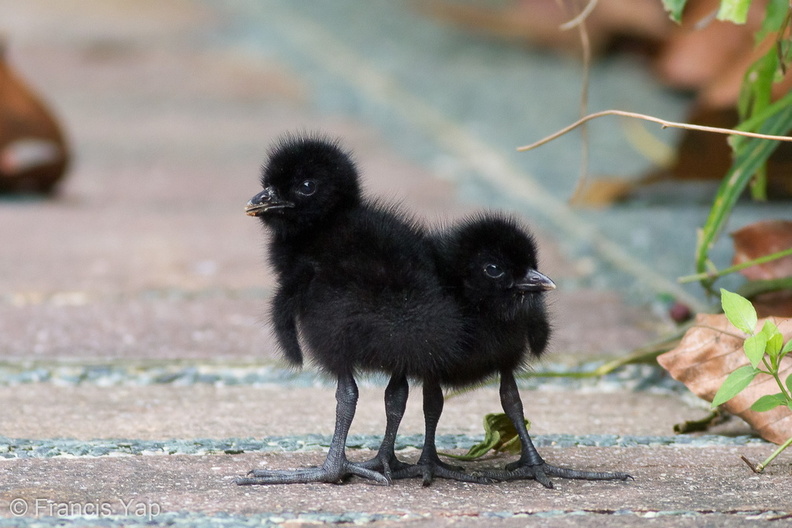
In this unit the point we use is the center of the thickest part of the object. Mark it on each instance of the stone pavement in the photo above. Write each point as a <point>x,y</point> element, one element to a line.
<point>138,376</point>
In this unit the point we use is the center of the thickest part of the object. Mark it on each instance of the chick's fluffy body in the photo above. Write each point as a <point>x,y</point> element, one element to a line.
<point>356,277</point>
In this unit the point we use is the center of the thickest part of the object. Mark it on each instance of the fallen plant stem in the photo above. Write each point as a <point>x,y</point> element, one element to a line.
<point>738,267</point>
<point>703,424</point>
<point>644,354</point>
<point>662,122</point>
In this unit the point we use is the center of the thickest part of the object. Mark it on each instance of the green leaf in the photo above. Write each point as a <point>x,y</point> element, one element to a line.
<point>787,349</point>
<point>752,154</point>
<point>774,113</point>
<point>734,384</point>
<point>734,10</point>
<point>739,311</point>
<point>774,339</point>
<point>754,348</point>
<point>784,351</point>
<point>756,88</point>
<point>499,436</point>
<point>675,8</point>
<point>775,16</point>
<point>788,383</point>
<point>769,329</point>
<point>769,401</point>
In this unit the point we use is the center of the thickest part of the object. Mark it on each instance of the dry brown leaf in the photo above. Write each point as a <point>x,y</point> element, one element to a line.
<point>709,352</point>
<point>760,239</point>
<point>537,22</point>
<point>33,151</point>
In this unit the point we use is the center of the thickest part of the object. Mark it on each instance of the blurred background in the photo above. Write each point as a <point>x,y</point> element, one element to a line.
<point>134,289</point>
<point>144,124</point>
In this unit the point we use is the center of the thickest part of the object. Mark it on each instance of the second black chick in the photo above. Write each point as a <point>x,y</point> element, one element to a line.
<point>356,281</point>
<point>490,263</point>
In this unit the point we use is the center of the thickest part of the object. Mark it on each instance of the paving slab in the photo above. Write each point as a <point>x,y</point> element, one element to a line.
<point>668,481</point>
<point>156,412</point>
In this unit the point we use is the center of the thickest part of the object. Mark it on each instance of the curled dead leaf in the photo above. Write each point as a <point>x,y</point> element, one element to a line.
<point>33,151</point>
<point>760,239</point>
<point>709,352</point>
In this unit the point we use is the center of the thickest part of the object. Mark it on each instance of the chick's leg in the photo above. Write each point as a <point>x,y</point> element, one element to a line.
<point>336,467</point>
<point>531,465</point>
<point>396,394</point>
<point>429,464</point>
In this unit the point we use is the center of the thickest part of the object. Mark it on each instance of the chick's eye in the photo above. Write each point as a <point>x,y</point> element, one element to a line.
<point>493,271</point>
<point>307,188</point>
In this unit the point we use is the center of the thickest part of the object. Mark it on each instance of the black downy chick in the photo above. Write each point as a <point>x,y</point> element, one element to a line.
<point>357,282</point>
<point>490,263</point>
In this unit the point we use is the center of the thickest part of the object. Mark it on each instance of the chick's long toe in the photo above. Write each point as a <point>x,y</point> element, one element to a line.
<point>542,473</point>
<point>328,472</point>
<point>430,469</point>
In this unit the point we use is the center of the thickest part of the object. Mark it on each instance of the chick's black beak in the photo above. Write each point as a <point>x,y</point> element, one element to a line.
<point>533,281</point>
<point>264,201</point>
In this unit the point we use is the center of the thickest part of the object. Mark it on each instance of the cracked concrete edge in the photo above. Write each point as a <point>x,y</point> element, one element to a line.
<point>11,448</point>
<point>181,372</point>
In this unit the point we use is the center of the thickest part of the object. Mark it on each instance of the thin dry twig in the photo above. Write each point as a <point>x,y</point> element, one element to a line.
<point>750,464</point>
<point>585,150</point>
<point>579,22</point>
<point>661,122</point>
<point>580,18</point>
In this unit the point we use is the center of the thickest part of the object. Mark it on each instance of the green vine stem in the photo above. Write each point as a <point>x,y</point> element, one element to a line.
<point>773,371</point>
<point>758,468</point>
